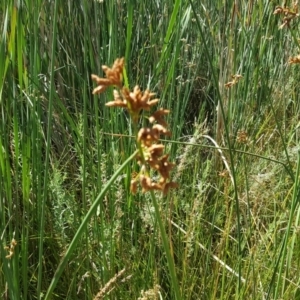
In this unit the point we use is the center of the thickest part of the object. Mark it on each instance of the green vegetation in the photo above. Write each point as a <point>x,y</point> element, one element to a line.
<point>69,226</point>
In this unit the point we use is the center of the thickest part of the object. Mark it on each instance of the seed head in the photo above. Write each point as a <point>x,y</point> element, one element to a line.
<point>114,76</point>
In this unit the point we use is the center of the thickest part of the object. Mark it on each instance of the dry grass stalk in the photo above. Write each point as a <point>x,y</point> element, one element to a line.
<point>109,285</point>
<point>10,249</point>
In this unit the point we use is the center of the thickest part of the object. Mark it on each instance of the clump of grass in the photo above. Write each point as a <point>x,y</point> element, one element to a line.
<point>62,169</point>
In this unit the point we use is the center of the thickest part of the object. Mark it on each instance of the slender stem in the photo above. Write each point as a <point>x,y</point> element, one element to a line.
<point>166,245</point>
<point>48,149</point>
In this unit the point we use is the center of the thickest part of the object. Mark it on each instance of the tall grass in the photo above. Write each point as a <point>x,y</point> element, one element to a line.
<point>69,226</point>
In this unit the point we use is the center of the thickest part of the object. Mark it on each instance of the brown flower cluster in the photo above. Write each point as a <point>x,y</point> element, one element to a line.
<point>114,76</point>
<point>288,14</point>
<point>235,80</point>
<point>151,156</point>
<point>242,137</point>
<point>10,249</point>
<point>134,101</point>
<point>294,60</point>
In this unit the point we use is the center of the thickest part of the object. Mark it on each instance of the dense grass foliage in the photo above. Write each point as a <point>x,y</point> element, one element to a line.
<point>69,226</point>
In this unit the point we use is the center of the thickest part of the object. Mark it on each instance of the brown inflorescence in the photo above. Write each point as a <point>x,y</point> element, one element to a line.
<point>158,117</point>
<point>151,156</point>
<point>114,76</point>
<point>235,80</point>
<point>11,249</point>
<point>294,60</point>
<point>288,14</point>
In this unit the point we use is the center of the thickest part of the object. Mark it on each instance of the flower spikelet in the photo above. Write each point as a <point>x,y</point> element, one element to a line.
<point>294,60</point>
<point>287,13</point>
<point>158,117</point>
<point>138,101</point>
<point>114,76</point>
<point>235,80</point>
<point>118,101</point>
<point>11,249</point>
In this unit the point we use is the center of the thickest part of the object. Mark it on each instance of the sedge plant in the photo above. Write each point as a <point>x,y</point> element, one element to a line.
<point>149,154</point>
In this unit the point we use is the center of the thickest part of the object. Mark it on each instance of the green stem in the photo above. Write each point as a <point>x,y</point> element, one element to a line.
<point>171,264</point>
<point>42,208</point>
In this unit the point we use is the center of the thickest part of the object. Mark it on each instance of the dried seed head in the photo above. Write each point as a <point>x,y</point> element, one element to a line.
<point>147,136</point>
<point>158,117</point>
<point>137,101</point>
<point>294,60</point>
<point>150,153</point>
<point>169,185</point>
<point>148,185</point>
<point>156,150</point>
<point>114,76</point>
<point>161,129</point>
<point>118,101</point>
<point>165,168</point>
<point>235,80</point>
<point>133,186</point>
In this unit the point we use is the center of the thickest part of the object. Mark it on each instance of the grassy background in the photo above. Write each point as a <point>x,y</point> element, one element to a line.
<point>232,227</point>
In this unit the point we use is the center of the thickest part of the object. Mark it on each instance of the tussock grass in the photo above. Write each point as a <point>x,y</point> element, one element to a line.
<point>65,203</point>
